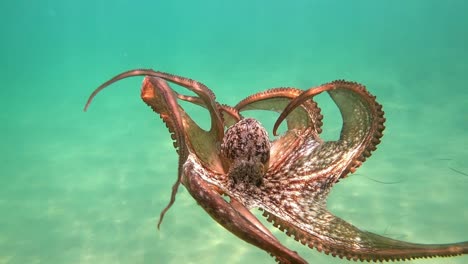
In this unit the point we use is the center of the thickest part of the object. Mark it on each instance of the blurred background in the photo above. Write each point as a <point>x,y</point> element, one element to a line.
<point>88,187</point>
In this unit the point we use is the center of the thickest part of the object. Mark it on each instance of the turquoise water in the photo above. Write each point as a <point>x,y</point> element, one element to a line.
<point>81,187</point>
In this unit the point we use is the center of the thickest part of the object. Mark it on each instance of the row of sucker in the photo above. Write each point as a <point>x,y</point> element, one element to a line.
<point>376,130</point>
<point>305,239</point>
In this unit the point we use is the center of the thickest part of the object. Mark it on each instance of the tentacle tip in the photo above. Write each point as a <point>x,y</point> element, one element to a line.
<point>276,126</point>
<point>161,217</point>
<point>275,132</point>
<point>88,103</point>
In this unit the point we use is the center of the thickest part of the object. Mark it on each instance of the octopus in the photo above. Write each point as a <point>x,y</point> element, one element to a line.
<point>234,166</point>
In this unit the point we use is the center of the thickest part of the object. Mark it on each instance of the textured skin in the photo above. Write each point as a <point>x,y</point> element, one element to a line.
<point>247,148</point>
<point>289,178</point>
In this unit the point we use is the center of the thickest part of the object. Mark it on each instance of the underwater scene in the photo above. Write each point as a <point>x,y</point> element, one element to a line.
<point>89,187</point>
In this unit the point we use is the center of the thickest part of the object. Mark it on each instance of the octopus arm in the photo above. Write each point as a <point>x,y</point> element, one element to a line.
<point>363,120</point>
<point>187,135</point>
<point>306,116</point>
<point>322,230</point>
<point>235,217</point>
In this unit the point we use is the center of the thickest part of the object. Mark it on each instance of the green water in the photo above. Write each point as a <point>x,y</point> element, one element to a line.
<point>81,187</point>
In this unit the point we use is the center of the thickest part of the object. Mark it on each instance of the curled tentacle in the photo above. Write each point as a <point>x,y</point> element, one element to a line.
<point>206,95</point>
<point>157,94</point>
<point>296,102</point>
<point>276,99</point>
<point>363,118</point>
<point>163,100</point>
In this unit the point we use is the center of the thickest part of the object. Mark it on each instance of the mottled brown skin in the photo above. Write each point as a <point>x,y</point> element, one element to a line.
<point>288,178</point>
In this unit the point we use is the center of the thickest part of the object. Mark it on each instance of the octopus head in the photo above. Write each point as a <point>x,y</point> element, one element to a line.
<point>246,146</point>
